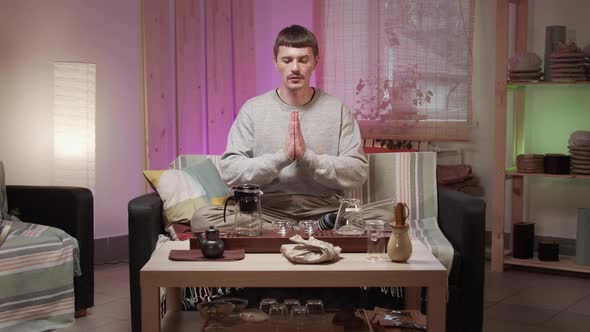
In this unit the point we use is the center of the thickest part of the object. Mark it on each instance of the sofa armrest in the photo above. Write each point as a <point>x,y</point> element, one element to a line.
<point>462,220</point>
<point>145,225</point>
<point>70,209</point>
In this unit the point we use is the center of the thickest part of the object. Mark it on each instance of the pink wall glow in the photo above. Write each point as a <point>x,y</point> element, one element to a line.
<point>269,18</point>
<point>236,60</point>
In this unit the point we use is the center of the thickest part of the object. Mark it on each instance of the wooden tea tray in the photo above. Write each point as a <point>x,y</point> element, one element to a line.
<point>270,241</point>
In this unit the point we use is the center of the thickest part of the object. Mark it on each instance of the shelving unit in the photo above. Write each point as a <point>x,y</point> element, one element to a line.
<point>513,85</point>
<point>513,172</point>
<point>500,173</point>
<point>565,263</point>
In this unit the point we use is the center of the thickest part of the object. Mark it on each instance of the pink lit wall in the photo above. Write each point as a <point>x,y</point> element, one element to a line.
<point>269,18</point>
<point>33,35</point>
<point>203,61</point>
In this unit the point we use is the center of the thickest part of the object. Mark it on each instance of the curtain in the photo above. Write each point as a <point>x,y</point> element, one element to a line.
<point>198,57</point>
<point>403,67</point>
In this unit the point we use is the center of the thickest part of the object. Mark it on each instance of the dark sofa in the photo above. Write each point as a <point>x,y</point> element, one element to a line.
<point>70,209</point>
<point>461,218</point>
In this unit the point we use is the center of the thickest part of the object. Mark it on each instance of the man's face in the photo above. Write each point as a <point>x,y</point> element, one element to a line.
<point>295,66</point>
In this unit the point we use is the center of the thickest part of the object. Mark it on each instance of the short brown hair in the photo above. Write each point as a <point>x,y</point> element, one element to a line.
<point>296,36</point>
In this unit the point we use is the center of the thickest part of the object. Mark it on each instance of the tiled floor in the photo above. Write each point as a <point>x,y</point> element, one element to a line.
<point>514,301</point>
<point>111,312</point>
<point>532,301</point>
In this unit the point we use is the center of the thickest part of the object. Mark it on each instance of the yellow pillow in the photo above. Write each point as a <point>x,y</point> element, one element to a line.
<point>186,190</point>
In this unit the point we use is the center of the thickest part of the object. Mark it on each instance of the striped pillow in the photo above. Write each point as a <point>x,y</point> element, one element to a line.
<point>186,190</point>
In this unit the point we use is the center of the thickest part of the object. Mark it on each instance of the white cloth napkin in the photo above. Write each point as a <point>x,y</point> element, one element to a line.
<point>309,251</point>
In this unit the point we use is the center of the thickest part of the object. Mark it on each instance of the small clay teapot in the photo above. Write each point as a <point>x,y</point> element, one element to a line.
<point>211,245</point>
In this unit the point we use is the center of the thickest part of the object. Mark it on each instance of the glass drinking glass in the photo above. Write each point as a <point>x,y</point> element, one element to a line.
<point>290,303</point>
<point>376,242</point>
<point>265,304</point>
<point>299,313</point>
<point>278,311</point>
<point>282,227</point>
<point>308,227</point>
<point>315,306</point>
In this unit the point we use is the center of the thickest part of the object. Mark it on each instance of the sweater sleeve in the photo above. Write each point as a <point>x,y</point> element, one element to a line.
<point>348,169</point>
<point>238,164</point>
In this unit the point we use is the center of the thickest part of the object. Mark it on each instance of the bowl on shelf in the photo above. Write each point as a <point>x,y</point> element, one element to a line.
<point>238,302</point>
<point>214,311</point>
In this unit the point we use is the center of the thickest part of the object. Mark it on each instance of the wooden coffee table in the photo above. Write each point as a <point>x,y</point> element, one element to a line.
<point>274,270</point>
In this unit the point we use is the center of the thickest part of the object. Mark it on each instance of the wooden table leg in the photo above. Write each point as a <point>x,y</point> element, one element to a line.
<point>436,310</point>
<point>173,299</point>
<point>150,309</point>
<point>413,298</point>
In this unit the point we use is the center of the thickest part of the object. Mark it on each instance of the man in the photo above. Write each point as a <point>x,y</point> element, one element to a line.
<point>301,145</point>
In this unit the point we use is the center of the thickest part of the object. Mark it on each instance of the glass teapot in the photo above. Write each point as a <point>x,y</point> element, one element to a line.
<point>247,218</point>
<point>349,220</point>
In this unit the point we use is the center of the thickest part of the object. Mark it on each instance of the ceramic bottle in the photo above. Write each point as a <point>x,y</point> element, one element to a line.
<point>399,247</point>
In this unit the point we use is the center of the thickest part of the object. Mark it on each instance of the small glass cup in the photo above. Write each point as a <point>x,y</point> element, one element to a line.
<point>315,306</point>
<point>308,227</point>
<point>282,227</point>
<point>265,304</point>
<point>299,313</point>
<point>278,311</point>
<point>290,303</point>
<point>376,242</point>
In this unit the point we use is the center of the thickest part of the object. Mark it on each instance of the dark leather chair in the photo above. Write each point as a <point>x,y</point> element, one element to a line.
<point>70,209</point>
<point>461,218</point>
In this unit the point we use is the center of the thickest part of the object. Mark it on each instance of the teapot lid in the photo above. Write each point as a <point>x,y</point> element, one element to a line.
<point>247,188</point>
<point>212,234</point>
<point>211,230</point>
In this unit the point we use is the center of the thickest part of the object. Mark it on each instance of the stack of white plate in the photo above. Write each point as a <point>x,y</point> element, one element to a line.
<point>533,74</point>
<point>530,163</point>
<point>568,66</point>
<point>525,67</point>
<point>579,146</point>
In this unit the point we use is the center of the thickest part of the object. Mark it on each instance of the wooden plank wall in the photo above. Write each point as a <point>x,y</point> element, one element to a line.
<point>243,52</point>
<point>159,84</point>
<point>197,74</point>
<point>220,98</point>
<point>189,77</point>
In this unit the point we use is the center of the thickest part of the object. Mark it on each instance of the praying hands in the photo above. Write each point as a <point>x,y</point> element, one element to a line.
<point>294,143</point>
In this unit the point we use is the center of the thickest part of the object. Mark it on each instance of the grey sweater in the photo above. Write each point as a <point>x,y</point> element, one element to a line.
<point>333,162</point>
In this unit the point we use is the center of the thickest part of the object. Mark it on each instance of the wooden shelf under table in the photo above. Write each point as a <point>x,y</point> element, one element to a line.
<point>191,321</point>
<point>182,321</point>
<point>565,263</point>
